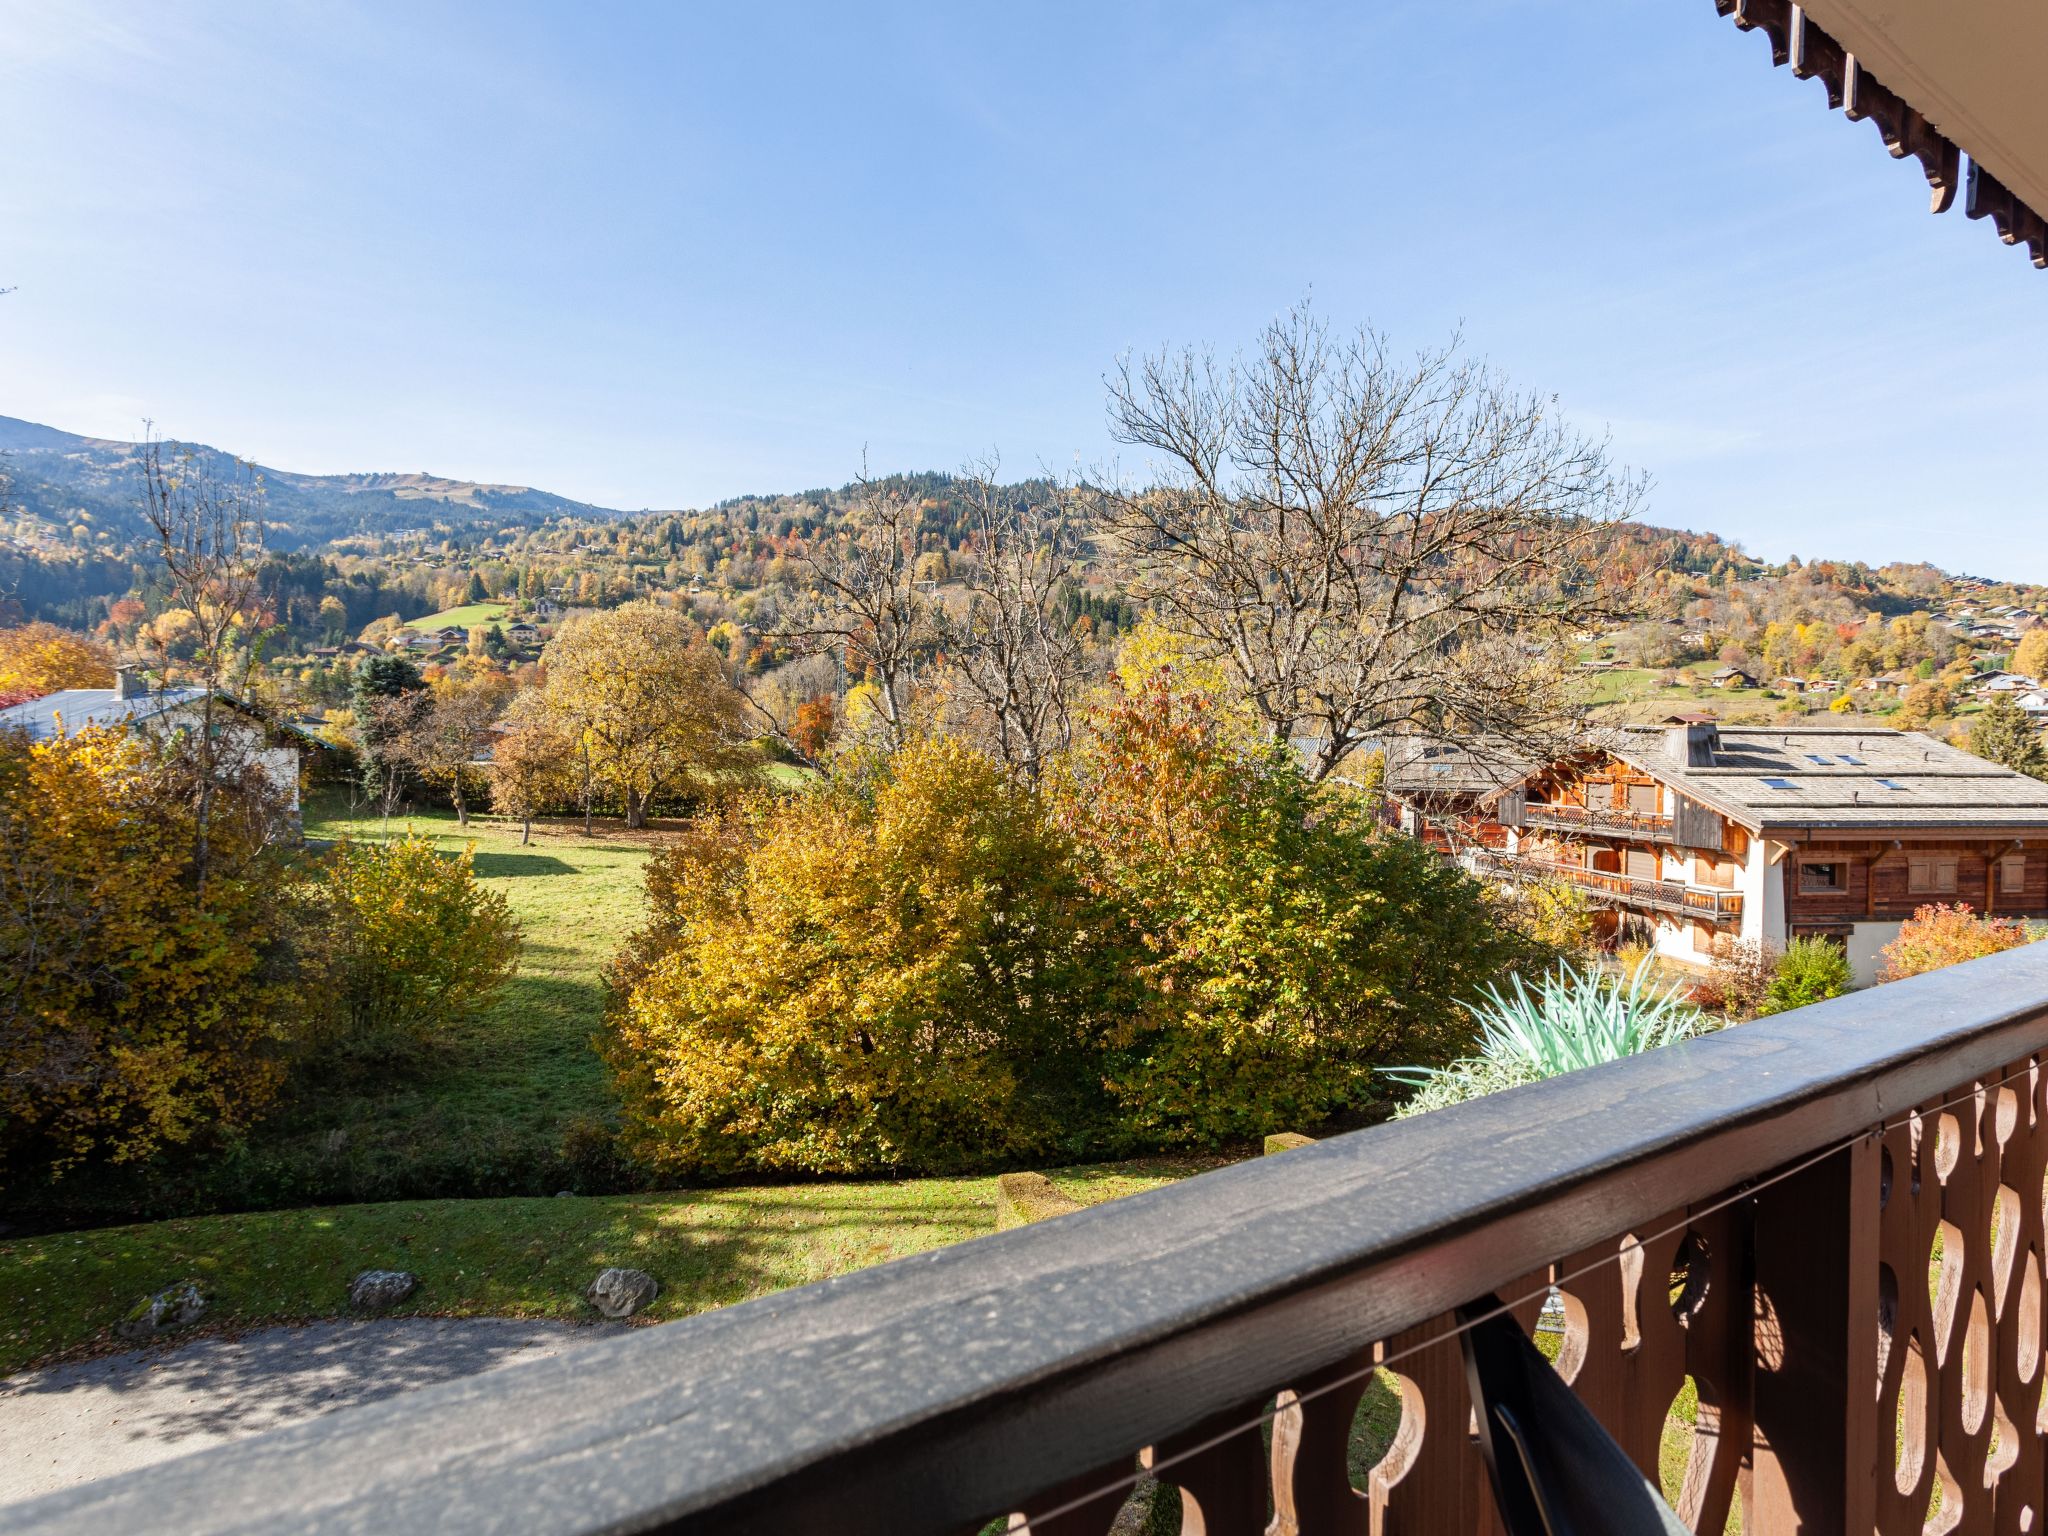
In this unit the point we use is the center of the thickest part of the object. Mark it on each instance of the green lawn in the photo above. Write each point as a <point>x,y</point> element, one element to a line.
<point>60,1294</point>
<point>507,1106</point>
<point>469,616</point>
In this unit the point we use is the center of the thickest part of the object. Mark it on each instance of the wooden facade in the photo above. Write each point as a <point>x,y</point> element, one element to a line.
<point>1830,884</point>
<point>1772,835</point>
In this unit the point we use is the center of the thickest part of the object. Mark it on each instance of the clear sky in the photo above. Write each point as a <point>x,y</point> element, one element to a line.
<point>656,254</point>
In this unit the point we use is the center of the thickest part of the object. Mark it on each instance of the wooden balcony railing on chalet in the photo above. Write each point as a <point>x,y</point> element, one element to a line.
<point>1645,826</point>
<point>1788,1181</point>
<point>1672,896</point>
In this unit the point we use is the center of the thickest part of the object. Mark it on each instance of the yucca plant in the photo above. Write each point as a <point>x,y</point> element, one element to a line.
<point>1571,1019</point>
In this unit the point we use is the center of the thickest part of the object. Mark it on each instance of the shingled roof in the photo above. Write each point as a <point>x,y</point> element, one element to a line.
<point>1809,778</point>
<point>1433,765</point>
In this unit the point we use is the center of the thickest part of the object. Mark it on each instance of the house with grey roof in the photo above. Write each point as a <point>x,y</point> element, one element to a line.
<point>132,704</point>
<point>1695,833</point>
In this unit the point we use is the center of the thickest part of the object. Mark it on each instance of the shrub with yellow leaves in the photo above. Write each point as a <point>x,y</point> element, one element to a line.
<point>133,1014</point>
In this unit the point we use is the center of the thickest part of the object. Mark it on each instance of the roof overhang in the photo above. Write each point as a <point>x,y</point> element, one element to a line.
<point>1943,83</point>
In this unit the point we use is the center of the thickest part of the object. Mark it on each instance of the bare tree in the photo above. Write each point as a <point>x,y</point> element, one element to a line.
<point>1016,664</point>
<point>866,599</point>
<point>210,538</point>
<point>1369,545</point>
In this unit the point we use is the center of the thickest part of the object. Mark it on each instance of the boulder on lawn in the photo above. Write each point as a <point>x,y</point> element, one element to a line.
<point>172,1307</point>
<point>379,1290</point>
<point>621,1292</point>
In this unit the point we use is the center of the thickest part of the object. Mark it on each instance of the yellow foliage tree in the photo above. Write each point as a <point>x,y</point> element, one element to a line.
<point>838,981</point>
<point>2030,656</point>
<point>132,1016</point>
<point>534,763</point>
<point>653,710</point>
<point>36,659</point>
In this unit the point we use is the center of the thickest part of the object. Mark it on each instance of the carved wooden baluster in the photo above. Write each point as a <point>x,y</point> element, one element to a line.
<point>1624,1350</point>
<point>1312,1490</point>
<point>1719,1355</point>
<point>1434,1480</point>
<point>1223,1487</point>
<point>2022,1492</point>
<point>1964,1354</point>
<point>1094,1516</point>
<point>1908,1193</point>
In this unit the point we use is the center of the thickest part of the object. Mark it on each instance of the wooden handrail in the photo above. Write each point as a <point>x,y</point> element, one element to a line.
<point>1665,895</point>
<point>1648,824</point>
<point>931,1395</point>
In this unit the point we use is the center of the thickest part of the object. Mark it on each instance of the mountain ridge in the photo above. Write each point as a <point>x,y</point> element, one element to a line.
<point>53,475</point>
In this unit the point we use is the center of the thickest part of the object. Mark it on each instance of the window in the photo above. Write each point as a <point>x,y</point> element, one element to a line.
<point>2012,873</point>
<point>1816,759</point>
<point>1851,759</point>
<point>1642,799</point>
<point>1893,784</point>
<point>1931,874</point>
<point>1828,876</point>
<point>1779,784</point>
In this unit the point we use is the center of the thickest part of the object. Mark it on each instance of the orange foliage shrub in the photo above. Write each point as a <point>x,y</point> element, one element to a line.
<point>1941,935</point>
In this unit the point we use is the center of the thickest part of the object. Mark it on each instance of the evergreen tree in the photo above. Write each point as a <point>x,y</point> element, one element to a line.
<point>2004,734</point>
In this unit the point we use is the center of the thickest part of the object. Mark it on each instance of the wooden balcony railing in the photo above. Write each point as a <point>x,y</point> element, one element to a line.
<point>1603,822</point>
<point>1758,1211</point>
<point>1602,885</point>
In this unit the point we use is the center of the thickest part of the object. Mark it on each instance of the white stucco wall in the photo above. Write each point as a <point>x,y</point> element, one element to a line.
<point>1762,885</point>
<point>1865,940</point>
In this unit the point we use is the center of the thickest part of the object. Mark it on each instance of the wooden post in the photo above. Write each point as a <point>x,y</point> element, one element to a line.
<point>1815,1387</point>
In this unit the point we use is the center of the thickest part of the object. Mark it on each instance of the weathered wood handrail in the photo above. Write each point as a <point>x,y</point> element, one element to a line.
<point>1633,890</point>
<point>1649,825</point>
<point>938,1392</point>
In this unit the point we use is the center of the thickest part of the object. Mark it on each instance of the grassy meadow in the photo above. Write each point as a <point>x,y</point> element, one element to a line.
<point>468,616</point>
<point>513,1102</point>
<point>61,1293</point>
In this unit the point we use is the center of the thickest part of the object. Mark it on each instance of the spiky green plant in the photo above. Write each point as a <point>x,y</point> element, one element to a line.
<point>1570,1019</point>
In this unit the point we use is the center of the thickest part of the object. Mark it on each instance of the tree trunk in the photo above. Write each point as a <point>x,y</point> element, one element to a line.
<point>526,831</point>
<point>636,808</point>
<point>200,843</point>
<point>461,808</point>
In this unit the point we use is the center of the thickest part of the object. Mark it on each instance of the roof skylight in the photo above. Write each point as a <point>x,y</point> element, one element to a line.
<point>1779,784</point>
<point>1894,784</point>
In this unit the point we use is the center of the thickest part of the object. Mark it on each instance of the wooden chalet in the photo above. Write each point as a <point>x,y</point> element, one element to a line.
<point>1441,790</point>
<point>1695,833</point>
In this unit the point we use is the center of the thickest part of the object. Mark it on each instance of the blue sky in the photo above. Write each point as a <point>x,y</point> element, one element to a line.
<point>658,254</point>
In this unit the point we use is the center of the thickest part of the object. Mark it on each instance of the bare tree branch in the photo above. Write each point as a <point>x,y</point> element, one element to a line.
<point>1015,664</point>
<point>865,599</point>
<point>1368,545</point>
<point>210,539</point>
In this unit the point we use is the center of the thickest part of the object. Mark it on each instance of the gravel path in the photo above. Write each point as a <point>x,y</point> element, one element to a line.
<point>70,1424</point>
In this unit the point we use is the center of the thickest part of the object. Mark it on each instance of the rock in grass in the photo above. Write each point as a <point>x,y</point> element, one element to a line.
<point>621,1292</point>
<point>379,1290</point>
<point>172,1307</point>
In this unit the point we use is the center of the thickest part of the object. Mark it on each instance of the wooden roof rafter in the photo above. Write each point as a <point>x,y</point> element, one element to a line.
<point>1814,54</point>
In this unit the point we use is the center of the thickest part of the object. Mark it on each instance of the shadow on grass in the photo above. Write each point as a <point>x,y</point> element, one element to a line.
<point>506,866</point>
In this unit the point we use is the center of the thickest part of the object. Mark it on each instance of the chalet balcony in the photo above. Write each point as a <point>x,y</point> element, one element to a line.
<point>1618,890</point>
<point>1755,1211</point>
<point>1584,821</point>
